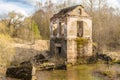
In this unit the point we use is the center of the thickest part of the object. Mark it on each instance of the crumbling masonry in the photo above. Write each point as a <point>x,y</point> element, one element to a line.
<point>66,27</point>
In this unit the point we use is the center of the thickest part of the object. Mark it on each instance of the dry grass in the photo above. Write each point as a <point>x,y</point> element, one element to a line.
<point>109,72</point>
<point>6,50</point>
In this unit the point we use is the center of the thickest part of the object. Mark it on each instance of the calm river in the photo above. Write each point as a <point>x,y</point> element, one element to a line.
<point>82,72</point>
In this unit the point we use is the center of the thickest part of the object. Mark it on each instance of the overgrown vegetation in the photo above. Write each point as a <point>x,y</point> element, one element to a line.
<point>108,72</point>
<point>81,41</point>
<point>28,31</point>
<point>18,27</point>
<point>6,50</point>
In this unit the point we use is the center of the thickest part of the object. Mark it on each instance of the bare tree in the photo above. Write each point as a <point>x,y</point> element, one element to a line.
<point>84,3</point>
<point>101,4</point>
<point>38,5</point>
<point>13,21</point>
<point>91,5</point>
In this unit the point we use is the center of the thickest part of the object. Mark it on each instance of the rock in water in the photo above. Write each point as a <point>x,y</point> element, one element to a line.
<point>23,73</point>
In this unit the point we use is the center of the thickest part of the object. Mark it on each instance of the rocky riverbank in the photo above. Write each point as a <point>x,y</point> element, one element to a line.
<point>108,72</point>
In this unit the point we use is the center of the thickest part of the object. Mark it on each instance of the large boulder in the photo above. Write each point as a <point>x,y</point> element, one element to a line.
<point>23,73</point>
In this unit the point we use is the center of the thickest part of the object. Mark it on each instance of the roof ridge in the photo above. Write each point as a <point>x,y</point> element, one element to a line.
<point>67,9</point>
<point>63,12</point>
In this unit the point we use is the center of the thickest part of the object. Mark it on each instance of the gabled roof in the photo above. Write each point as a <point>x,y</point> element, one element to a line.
<point>65,11</point>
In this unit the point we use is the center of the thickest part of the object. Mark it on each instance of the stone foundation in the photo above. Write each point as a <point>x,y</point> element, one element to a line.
<point>58,48</point>
<point>71,51</point>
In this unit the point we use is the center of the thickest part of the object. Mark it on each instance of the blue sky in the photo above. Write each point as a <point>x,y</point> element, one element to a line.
<point>26,7</point>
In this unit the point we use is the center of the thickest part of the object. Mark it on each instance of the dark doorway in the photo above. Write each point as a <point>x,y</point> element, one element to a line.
<point>59,50</point>
<point>80,28</point>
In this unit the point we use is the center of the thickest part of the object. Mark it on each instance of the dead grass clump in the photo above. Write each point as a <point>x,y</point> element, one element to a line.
<point>6,50</point>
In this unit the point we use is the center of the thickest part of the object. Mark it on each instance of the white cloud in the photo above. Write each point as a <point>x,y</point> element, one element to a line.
<point>5,8</point>
<point>114,3</point>
<point>119,1</point>
<point>31,2</point>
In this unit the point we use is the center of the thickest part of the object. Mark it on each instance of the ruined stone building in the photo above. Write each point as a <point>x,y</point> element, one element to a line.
<point>66,27</point>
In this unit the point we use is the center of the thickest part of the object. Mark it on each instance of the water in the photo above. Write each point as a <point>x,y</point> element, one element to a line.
<point>82,72</point>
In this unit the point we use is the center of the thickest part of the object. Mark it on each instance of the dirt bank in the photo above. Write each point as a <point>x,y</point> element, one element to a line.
<point>24,52</point>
